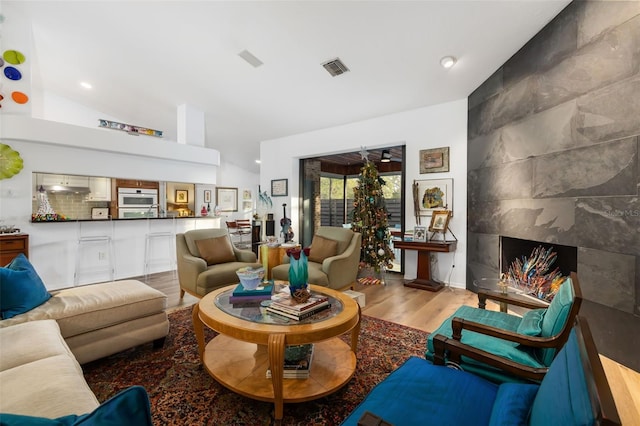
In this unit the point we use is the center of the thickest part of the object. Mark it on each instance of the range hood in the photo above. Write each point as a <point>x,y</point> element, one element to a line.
<point>65,188</point>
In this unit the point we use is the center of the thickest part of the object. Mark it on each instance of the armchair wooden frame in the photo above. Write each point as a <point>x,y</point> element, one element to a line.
<point>451,349</point>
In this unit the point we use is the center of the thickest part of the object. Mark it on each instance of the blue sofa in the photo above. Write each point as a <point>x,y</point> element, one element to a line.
<point>574,391</point>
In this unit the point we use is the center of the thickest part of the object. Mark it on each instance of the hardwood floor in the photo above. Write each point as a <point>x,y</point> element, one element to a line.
<point>425,311</point>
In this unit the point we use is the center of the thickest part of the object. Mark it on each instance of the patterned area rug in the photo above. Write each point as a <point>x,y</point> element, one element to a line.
<point>183,393</point>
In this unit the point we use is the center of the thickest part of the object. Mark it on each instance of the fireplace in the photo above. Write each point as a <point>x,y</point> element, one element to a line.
<point>564,258</point>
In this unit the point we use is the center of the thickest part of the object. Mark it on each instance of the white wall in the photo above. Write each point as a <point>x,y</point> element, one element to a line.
<point>47,146</point>
<point>232,176</point>
<point>423,128</point>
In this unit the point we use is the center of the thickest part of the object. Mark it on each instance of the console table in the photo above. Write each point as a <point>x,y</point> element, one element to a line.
<point>424,280</point>
<point>12,245</point>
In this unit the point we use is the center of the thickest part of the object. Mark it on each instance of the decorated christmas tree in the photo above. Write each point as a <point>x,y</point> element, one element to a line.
<point>371,219</point>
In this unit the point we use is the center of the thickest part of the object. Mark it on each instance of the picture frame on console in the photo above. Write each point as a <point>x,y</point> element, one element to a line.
<point>227,199</point>
<point>440,221</point>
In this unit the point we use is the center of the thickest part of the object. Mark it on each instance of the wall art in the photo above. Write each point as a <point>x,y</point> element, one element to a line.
<point>227,199</point>
<point>434,160</point>
<point>430,195</point>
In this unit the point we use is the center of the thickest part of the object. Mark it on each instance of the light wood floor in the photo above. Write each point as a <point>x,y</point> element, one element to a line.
<point>426,310</point>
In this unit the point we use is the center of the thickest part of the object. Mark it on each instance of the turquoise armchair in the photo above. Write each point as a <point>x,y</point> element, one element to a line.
<point>574,392</point>
<point>515,348</point>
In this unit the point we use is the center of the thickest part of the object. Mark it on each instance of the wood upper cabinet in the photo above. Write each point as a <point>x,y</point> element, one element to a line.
<point>133,183</point>
<point>12,245</point>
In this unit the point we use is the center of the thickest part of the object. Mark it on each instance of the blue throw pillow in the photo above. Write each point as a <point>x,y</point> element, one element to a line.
<point>531,324</point>
<point>127,408</point>
<point>21,289</point>
<point>512,404</point>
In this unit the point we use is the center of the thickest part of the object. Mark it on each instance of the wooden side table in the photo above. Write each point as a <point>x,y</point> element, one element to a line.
<point>274,258</point>
<point>424,280</point>
<point>12,245</point>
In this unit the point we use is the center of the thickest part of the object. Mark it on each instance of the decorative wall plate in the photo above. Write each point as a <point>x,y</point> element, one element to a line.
<point>10,162</point>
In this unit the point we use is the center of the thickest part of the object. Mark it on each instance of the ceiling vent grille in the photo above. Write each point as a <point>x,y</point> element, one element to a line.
<point>335,67</point>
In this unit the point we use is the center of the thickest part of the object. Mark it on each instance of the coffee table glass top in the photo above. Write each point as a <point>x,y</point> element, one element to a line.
<point>257,311</point>
<point>503,286</point>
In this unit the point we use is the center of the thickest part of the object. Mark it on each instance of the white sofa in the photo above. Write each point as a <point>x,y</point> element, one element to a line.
<point>102,319</point>
<point>41,350</point>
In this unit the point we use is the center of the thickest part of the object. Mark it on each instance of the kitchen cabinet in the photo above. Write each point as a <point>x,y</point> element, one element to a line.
<point>100,189</point>
<point>12,245</point>
<point>133,183</point>
<point>48,179</point>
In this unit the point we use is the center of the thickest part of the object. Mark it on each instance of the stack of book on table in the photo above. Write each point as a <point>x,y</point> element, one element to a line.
<point>297,362</point>
<point>242,296</point>
<point>285,305</point>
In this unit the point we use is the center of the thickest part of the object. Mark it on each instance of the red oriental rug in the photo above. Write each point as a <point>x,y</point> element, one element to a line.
<point>183,393</point>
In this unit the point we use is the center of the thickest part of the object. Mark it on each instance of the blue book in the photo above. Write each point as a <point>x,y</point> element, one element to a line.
<point>262,290</point>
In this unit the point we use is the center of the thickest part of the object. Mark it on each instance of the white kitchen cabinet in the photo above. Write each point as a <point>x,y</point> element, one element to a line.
<point>100,189</point>
<point>48,179</point>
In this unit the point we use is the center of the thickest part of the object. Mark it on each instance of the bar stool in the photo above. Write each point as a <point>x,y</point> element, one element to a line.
<point>160,231</point>
<point>95,237</point>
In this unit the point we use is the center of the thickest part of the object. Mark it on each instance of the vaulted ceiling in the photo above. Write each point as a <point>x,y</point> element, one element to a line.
<point>144,58</point>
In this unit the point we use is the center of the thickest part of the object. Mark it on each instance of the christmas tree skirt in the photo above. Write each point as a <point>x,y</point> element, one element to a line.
<point>369,276</point>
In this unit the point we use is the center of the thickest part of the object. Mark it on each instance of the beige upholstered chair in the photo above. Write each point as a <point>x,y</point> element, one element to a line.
<point>207,260</point>
<point>333,260</point>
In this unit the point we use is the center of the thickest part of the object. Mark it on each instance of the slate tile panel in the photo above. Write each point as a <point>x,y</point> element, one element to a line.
<point>609,224</point>
<point>608,278</point>
<point>547,220</point>
<point>597,17</point>
<point>556,41</point>
<point>612,112</point>
<point>605,169</point>
<point>612,57</point>
<point>508,181</point>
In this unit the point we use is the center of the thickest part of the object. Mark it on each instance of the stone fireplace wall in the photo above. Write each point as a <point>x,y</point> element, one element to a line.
<point>553,142</point>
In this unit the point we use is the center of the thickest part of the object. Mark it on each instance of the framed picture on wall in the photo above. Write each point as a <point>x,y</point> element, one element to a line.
<point>430,195</point>
<point>207,195</point>
<point>279,187</point>
<point>434,160</point>
<point>182,196</point>
<point>227,199</point>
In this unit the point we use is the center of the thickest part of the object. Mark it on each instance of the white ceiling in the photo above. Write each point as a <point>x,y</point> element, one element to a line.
<point>144,58</point>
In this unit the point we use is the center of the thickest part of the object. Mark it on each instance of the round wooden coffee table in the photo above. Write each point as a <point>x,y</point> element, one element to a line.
<point>251,340</point>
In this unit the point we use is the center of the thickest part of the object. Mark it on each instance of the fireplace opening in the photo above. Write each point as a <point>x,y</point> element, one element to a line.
<point>555,260</point>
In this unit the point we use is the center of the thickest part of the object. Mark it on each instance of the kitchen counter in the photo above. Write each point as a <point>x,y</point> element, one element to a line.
<point>125,219</point>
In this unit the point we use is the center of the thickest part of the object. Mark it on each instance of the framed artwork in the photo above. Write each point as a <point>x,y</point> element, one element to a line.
<point>434,160</point>
<point>279,187</point>
<point>440,221</point>
<point>432,194</point>
<point>246,194</point>
<point>227,199</point>
<point>247,206</point>
<point>420,234</point>
<point>207,195</point>
<point>182,196</point>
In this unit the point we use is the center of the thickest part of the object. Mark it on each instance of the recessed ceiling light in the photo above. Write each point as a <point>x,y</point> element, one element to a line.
<point>86,85</point>
<point>258,161</point>
<point>448,61</point>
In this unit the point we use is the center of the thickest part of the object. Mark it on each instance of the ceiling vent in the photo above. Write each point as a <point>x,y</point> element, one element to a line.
<point>335,67</point>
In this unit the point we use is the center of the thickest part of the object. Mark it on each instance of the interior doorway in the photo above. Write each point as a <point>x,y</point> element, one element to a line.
<point>327,184</point>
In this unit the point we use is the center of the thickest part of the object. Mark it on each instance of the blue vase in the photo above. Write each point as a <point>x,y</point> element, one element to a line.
<point>298,273</point>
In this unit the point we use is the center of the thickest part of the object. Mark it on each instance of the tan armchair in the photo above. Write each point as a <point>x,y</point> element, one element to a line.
<point>207,260</point>
<point>334,263</point>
